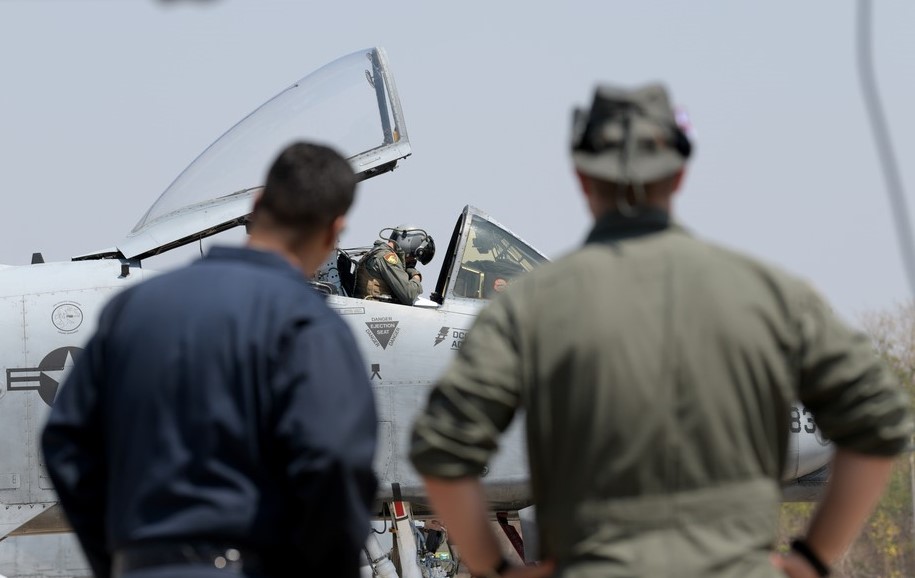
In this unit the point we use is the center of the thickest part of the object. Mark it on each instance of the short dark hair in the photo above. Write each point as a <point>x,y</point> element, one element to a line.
<point>308,186</point>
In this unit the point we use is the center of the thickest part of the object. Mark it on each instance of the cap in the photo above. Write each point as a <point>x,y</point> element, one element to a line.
<point>629,135</point>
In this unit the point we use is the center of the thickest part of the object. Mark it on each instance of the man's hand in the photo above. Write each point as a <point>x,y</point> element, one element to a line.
<point>414,274</point>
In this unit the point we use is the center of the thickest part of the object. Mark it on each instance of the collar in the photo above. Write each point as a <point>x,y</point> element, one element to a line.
<point>613,226</point>
<point>382,244</point>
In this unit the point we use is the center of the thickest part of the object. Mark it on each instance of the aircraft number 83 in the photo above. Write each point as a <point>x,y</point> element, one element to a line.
<point>798,414</point>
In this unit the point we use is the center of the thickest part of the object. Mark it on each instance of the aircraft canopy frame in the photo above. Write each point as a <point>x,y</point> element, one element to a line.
<point>482,259</point>
<point>351,104</point>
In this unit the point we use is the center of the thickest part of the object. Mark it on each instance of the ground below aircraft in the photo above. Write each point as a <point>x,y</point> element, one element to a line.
<point>48,311</point>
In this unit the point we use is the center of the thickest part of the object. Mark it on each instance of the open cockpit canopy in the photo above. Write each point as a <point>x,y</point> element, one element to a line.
<point>351,104</point>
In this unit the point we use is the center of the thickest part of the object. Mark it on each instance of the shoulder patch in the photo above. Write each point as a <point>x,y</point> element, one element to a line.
<point>392,259</point>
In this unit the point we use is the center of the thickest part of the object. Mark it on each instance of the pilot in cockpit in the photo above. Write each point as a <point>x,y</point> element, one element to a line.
<point>388,271</point>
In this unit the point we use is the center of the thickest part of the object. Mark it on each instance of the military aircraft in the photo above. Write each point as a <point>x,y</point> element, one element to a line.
<point>48,310</point>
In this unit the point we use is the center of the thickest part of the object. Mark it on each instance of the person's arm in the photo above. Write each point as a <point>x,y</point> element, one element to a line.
<point>461,504</point>
<point>857,482</point>
<point>856,485</point>
<point>325,430</point>
<point>859,405</point>
<point>856,400</point>
<point>405,288</point>
<point>414,275</point>
<point>457,432</point>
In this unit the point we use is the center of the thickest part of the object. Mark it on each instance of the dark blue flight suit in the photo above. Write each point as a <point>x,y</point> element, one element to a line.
<point>221,416</point>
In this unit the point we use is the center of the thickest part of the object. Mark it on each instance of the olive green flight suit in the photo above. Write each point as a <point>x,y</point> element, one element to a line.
<point>381,274</point>
<point>656,372</point>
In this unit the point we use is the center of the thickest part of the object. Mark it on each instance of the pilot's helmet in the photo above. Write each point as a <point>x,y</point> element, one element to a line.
<point>414,242</point>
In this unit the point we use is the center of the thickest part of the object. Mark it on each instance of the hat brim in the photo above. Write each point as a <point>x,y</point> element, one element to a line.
<point>646,168</point>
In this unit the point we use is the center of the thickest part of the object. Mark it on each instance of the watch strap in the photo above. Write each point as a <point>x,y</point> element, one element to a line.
<point>802,548</point>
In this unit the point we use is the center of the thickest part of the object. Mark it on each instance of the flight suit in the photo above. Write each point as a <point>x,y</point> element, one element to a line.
<point>655,372</point>
<point>220,406</point>
<point>381,274</point>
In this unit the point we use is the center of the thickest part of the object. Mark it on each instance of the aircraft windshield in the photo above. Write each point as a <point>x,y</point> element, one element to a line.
<point>491,258</point>
<point>342,103</point>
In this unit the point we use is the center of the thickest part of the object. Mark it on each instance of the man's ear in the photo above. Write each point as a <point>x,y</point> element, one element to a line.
<point>257,199</point>
<point>678,179</point>
<point>333,232</point>
<point>596,204</point>
<point>255,208</point>
<point>584,182</point>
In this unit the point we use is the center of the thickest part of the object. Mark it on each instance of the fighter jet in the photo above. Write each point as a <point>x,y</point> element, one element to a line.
<point>49,310</point>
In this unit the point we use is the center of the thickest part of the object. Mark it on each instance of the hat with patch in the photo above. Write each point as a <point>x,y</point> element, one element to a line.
<point>629,135</point>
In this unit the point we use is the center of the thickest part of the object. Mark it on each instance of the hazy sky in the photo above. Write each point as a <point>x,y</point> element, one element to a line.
<point>104,102</point>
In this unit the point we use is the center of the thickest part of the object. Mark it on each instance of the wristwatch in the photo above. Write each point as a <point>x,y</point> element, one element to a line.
<point>800,546</point>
